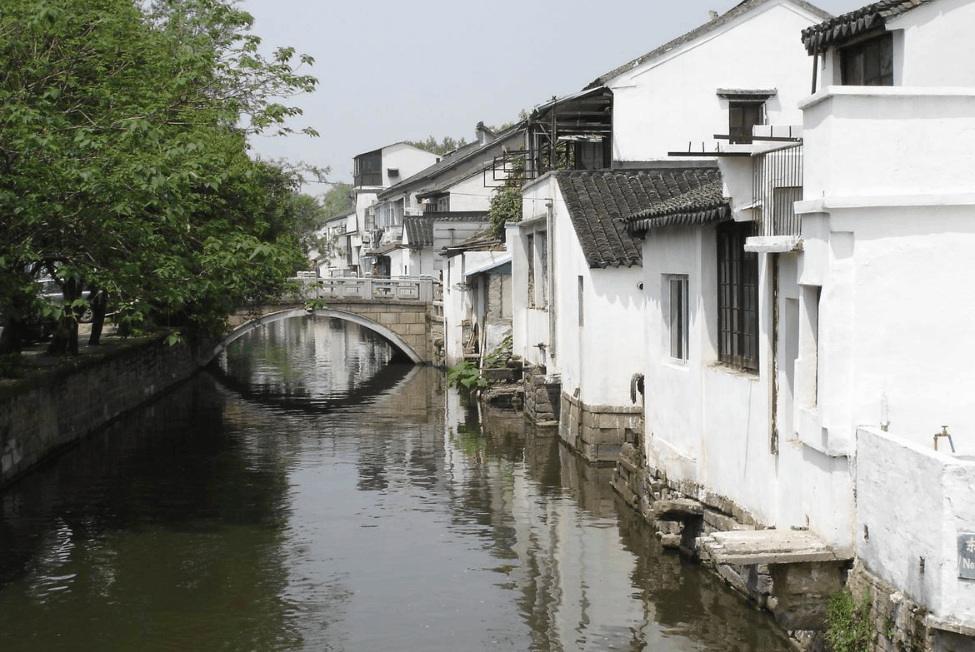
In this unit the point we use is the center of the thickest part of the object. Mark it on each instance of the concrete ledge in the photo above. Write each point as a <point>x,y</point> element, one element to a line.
<point>747,547</point>
<point>676,507</point>
<point>949,625</point>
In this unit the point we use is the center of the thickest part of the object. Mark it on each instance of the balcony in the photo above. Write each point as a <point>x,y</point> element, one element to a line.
<point>888,146</point>
<point>776,186</point>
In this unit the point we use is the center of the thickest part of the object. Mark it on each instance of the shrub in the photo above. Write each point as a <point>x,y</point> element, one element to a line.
<point>466,376</point>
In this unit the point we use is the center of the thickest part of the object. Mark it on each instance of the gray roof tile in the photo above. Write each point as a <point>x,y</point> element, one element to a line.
<point>841,28</point>
<point>598,202</point>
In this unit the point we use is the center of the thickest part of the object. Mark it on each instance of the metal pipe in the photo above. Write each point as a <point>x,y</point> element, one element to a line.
<point>944,433</point>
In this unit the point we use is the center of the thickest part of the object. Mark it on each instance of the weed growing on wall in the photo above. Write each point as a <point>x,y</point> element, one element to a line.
<point>499,357</point>
<point>848,623</point>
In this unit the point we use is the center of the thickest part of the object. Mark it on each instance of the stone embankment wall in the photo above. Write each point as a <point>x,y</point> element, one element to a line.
<point>50,410</point>
<point>598,432</point>
<point>900,625</point>
<point>543,395</point>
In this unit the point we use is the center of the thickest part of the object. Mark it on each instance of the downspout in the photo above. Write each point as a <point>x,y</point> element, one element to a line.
<point>550,229</point>
<point>774,381</point>
<point>815,70</point>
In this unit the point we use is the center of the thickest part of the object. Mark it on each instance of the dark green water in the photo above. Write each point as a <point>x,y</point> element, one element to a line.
<point>307,496</point>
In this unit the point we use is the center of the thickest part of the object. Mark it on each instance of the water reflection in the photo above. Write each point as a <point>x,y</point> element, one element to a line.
<point>293,504</point>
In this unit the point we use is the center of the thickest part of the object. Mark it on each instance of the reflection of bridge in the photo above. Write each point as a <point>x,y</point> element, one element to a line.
<point>408,312</point>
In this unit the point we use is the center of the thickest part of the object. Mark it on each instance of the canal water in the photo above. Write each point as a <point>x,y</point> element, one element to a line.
<point>306,495</point>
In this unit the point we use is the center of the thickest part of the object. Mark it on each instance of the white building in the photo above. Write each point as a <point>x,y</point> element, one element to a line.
<point>579,287</point>
<point>331,255</point>
<point>806,324</point>
<point>373,172</point>
<point>885,298</point>
<point>452,196</point>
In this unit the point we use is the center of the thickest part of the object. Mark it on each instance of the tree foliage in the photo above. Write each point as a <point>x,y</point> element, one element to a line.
<point>506,203</point>
<point>338,200</point>
<point>123,161</point>
<point>432,145</point>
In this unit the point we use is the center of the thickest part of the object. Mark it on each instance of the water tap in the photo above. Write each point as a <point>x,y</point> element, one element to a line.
<point>943,433</point>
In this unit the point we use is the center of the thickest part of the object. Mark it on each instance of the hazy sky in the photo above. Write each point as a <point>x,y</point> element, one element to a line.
<point>392,71</point>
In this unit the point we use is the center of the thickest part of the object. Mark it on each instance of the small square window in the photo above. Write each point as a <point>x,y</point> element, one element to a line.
<point>742,116</point>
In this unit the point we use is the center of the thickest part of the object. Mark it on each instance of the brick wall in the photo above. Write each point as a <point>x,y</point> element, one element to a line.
<point>52,410</point>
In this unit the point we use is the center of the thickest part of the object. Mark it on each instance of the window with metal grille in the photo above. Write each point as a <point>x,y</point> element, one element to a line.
<point>737,297</point>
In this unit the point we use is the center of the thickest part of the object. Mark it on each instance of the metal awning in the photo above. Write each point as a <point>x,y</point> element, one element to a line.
<point>488,266</point>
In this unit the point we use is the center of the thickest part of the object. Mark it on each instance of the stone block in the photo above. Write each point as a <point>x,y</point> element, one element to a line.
<point>802,592</point>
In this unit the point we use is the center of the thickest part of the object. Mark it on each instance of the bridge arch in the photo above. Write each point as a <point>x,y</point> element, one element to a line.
<point>394,339</point>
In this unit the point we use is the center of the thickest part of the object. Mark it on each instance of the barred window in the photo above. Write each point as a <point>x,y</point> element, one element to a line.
<point>737,297</point>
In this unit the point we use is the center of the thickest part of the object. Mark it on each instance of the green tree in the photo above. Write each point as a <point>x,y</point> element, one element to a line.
<point>123,160</point>
<point>338,200</point>
<point>432,145</point>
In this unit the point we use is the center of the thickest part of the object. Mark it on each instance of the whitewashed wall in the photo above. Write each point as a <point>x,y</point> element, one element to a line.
<point>671,101</point>
<point>530,325</point>
<point>890,188</point>
<point>599,354</point>
<point>914,504</point>
<point>456,308</point>
<point>407,159</point>
<point>932,45</point>
<point>470,194</point>
<point>879,145</point>
<point>898,301</point>
<point>458,302</point>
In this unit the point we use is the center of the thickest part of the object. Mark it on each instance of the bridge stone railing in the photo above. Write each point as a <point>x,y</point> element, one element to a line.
<point>410,289</point>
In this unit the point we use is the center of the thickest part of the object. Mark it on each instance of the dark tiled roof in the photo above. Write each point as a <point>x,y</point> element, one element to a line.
<point>599,201</point>
<point>836,30</point>
<point>698,206</point>
<point>486,240</point>
<point>386,248</point>
<point>419,228</point>
<point>419,231</point>
<point>458,216</point>
<point>727,17</point>
<point>451,160</point>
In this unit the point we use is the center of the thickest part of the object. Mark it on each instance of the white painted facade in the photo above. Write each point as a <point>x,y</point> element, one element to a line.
<point>914,510</point>
<point>592,326</point>
<point>885,359</point>
<point>465,304</point>
<point>533,328</point>
<point>659,105</point>
<point>671,100</point>
<point>397,162</point>
<point>330,256</point>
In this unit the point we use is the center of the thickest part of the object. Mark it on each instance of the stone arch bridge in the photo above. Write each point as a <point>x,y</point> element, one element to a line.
<point>407,312</point>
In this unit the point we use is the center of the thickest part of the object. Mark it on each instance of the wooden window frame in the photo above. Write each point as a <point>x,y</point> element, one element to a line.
<point>875,51</point>
<point>738,297</point>
<point>676,286</point>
